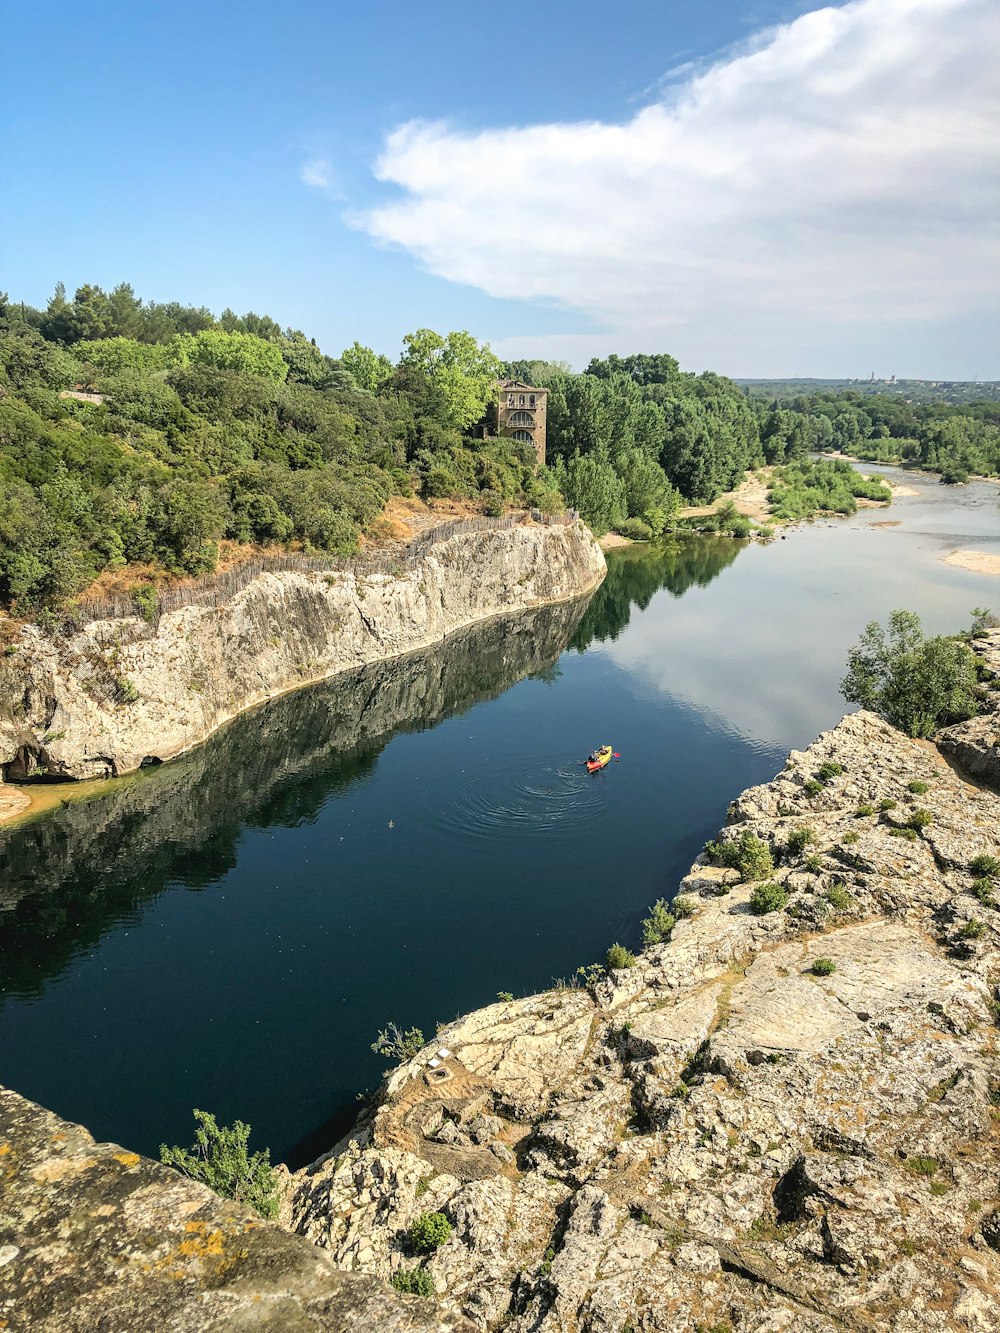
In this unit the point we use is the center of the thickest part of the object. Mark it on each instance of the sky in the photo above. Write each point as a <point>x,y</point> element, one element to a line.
<point>764,189</point>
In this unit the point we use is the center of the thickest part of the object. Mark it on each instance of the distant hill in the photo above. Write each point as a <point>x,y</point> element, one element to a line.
<point>956,392</point>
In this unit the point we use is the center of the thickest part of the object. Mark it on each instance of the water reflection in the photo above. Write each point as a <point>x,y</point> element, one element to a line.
<point>637,573</point>
<point>71,875</point>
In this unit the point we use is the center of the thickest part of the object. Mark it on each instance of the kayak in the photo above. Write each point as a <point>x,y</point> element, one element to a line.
<point>603,758</point>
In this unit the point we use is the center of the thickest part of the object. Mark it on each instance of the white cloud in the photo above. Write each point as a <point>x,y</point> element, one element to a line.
<point>836,179</point>
<point>317,174</point>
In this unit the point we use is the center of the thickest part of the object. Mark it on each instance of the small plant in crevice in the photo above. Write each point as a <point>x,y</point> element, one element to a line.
<point>972,929</point>
<point>863,811</point>
<point>505,996</point>
<point>683,907</point>
<point>886,805</point>
<point>412,1281</point>
<point>220,1159</point>
<point>813,787</point>
<point>657,927</point>
<point>919,819</point>
<point>823,967</point>
<point>813,864</point>
<point>768,897</point>
<point>398,1045</point>
<point>983,890</point>
<point>918,788</point>
<point>828,770</point>
<point>850,838</point>
<point>428,1232</point>
<point>618,957</point>
<point>798,840</point>
<point>838,897</point>
<point>985,865</point>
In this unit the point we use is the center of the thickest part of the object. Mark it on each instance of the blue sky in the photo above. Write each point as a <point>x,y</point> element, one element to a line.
<point>562,179</point>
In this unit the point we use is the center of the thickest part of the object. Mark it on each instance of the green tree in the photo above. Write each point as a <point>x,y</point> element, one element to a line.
<point>219,1158</point>
<point>461,375</point>
<point>244,353</point>
<point>591,485</point>
<point>917,684</point>
<point>369,369</point>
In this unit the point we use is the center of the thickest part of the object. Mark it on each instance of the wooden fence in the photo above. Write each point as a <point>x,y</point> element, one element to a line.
<point>216,589</point>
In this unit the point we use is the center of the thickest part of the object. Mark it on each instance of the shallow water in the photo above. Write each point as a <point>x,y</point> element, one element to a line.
<point>230,931</point>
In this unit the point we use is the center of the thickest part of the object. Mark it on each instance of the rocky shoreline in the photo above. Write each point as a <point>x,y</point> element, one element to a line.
<point>113,695</point>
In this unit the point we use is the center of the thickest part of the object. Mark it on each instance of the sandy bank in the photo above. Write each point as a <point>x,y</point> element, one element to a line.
<point>979,562</point>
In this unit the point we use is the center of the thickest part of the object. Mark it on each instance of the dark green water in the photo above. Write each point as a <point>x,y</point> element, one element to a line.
<point>230,931</point>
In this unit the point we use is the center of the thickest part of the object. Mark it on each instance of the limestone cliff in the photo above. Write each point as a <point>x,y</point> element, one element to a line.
<point>785,1121</point>
<point>103,699</point>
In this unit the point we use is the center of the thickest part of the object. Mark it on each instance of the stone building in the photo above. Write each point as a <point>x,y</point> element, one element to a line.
<point>521,415</point>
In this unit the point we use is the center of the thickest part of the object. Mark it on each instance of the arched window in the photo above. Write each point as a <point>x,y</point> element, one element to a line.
<point>520,401</point>
<point>510,400</point>
<point>531,400</point>
<point>520,418</point>
<point>521,436</point>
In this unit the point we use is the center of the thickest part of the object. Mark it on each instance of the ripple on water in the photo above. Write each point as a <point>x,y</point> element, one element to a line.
<point>550,802</point>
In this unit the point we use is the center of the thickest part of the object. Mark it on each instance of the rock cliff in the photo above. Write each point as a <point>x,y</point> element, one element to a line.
<point>114,694</point>
<point>96,1238</point>
<point>975,744</point>
<point>776,1121</point>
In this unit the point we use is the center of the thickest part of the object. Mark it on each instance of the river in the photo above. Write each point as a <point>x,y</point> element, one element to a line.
<point>230,931</point>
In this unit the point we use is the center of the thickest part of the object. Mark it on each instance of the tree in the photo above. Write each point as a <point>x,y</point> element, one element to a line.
<point>461,375</point>
<point>591,485</point>
<point>243,352</point>
<point>220,1160</point>
<point>915,683</point>
<point>370,369</point>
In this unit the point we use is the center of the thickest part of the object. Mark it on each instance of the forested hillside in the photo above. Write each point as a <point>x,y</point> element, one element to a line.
<point>185,431</point>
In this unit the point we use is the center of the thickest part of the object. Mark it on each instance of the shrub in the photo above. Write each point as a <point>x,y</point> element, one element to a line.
<point>428,1232</point>
<point>983,890</point>
<point>838,897</point>
<point>916,684</point>
<point>505,996</point>
<point>618,956</point>
<point>823,967</point>
<point>396,1044</point>
<point>147,601</point>
<point>850,838</point>
<point>748,854</point>
<point>683,906</point>
<point>863,811</point>
<point>769,897</point>
<point>413,1281</point>
<point>828,770</point>
<point>656,927</point>
<point>635,529</point>
<point>922,1166</point>
<point>813,863</point>
<point>798,840</point>
<point>220,1160</point>
<point>919,819</point>
<point>971,930</point>
<point>984,864</point>
<point>813,787</point>
<point>887,805</point>
<point>918,788</point>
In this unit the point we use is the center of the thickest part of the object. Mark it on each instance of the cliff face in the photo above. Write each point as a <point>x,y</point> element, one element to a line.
<point>117,693</point>
<point>726,1135</point>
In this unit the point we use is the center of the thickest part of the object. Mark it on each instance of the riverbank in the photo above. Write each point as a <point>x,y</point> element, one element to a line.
<point>978,562</point>
<point>790,1114</point>
<point>112,695</point>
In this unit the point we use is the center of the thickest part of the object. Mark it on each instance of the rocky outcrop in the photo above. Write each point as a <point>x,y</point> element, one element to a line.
<point>115,694</point>
<point>975,745</point>
<point>776,1121</point>
<point>93,1237</point>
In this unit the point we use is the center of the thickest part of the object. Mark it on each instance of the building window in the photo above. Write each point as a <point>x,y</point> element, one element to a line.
<point>520,418</point>
<point>531,400</point>
<point>522,437</point>
<point>510,400</point>
<point>520,401</point>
